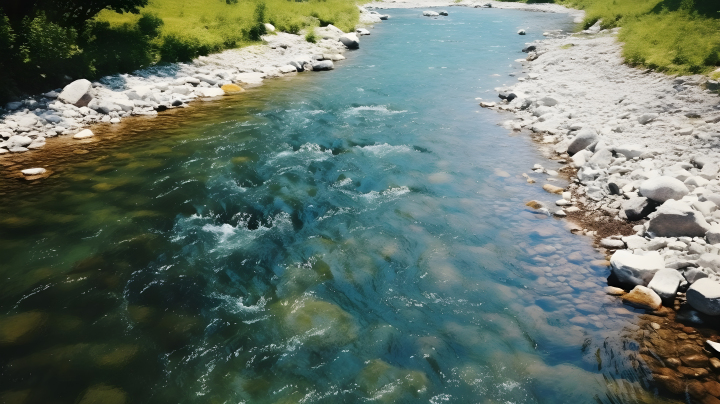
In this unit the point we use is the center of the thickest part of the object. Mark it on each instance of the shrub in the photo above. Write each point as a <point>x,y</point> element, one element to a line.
<point>310,36</point>
<point>45,43</point>
<point>150,25</point>
<point>258,29</point>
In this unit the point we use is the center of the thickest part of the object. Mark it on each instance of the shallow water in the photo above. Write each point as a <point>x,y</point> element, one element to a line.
<point>356,235</point>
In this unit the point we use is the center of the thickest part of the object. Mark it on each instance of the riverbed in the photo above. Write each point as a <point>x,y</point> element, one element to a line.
<point>351,236</point>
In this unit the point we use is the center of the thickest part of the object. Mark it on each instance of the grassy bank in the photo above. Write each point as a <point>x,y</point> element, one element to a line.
<point>673,36</point>
<point>41,53</point>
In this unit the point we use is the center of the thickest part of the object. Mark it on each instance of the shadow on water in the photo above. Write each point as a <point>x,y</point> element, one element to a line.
<point>341,237</point>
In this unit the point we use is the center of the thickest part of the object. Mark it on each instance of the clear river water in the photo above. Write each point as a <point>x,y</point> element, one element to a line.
<point>352,236</point>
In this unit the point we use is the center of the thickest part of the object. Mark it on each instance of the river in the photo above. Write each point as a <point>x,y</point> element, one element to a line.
<point>350,236</point>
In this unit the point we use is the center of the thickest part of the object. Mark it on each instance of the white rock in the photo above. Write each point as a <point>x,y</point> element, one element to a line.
<point>601,158</point>
<point>677,219</point>
<point>287,69</point>
<point>583,139</point>
<point>630,151</point>
<point>713,234</point>
<point>269,27</point>
<point>647,118</point>
<point>362,31</point>
<point>77,93</point>
<point>665,283</point>
<point>709,260</point>
<point>84,134</point>
<point>661,189</point>
<point>350,40</point>
<point>210,92</point>
<point>634,242</point>
<point>612,243</point>
<point>430,14</point>
<point>581,157</point>
<point>319,65</point>
<point>34,171</point>
<point>704,296</point>
<point>18,141</point>
<point>250,78</point>
<point>635,269</point>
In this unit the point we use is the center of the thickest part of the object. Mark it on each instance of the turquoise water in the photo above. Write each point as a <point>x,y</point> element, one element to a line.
<point>350,236</point>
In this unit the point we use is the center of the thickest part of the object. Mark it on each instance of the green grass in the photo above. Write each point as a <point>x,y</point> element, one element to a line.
<point>672,36</point>
<point>213,25</point>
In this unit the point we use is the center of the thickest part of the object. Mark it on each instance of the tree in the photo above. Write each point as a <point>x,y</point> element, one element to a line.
<point>69,13</point>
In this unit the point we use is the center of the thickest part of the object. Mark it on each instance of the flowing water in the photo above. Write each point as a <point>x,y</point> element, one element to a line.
<point>350,236</point>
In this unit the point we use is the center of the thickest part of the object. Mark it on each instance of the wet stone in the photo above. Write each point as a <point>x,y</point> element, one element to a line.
<point>20,328</point>
<point>695,361</point>
<point>103,394</point>
<point>693,372</point>
<point>672,384</point>
<point>712,388</point>
<point>696,389</point>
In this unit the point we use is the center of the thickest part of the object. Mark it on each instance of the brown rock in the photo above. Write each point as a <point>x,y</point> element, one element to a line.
<point>534,204</point>
<point>643,298</point>
<point>695,361</point>
<point>672,384</point>
<point>689,330</point>
<point>710,400</point>
<point>232,88</point>
<point>712,387</point>
<point>715,363</point>
<point>690,349</point>
<point>673,362</point>
<point>669,372</point>
<point>553,189</point>
<point>696,389</point>
<point>692,372</point>
<point>613,291</point>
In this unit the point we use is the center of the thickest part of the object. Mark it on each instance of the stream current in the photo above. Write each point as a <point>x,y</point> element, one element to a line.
<point>350,236</point>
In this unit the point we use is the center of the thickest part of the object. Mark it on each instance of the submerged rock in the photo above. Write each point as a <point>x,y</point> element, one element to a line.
<point>642,298</point>
<point>389,384</point>
<point>103,394</point>
<point>19,328</point>
<point>350,40</point>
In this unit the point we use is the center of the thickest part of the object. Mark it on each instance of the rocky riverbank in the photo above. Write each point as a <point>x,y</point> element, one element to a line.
<point>71,111</point>
<point>642,152</point>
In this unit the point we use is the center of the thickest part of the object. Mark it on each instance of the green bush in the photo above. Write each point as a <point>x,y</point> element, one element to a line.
<point>310,36</point>
<point>258,29</point>
<point>150,25</point>
<point>7,37</point>
<point>46,43</point>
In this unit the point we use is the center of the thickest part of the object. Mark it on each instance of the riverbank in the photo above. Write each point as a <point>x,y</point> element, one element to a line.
<point>642,151</point>
<point>29,123</point>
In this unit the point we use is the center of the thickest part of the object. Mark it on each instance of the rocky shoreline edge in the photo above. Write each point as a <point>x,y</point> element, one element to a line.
<point>641,152</point>
<point>74,110</point>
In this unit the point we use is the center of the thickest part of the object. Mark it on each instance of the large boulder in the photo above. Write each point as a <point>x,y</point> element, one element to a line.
<point>663,188</point>
<point>635,269</point>
<point>77,93</point>
<point>319,65</point>
<point>430,14</point>
<point>642,298</point>
<point>704,296</point>
<point>584,138</point>
<point>665,283</point>
<point>350,40</point>
<point>18,141</point>
<point>637,208</point>
<point>677,219</point>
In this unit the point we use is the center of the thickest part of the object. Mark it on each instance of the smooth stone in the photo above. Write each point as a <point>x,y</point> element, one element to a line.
<point>634,242</point>
<point>713,234</point>
<point>232,88</point>
<point>695,361</point>
<point>210,92</point>
<point>430,14</point>
<point>693,274</point>
<point>18,141</point>
<point>613,291</point>
<point>362,31</point>
<point>644,119</point>
<point>103,394</point>
<point>612,243</point>
<point>33,171</point>
<point>642,298</point>
<point>553,189</point>
<point>583,139</point>
<point>76,93</point>
<point>677,219</point>
<point>630,151</point>
<point>704,296</point>
<point>18,328</point>
<point>350,40</point>
<point>714,346</point>
<point>319,65</point>
<point>663,188</point>
<point>665,283</point>
<point>84,134</point>
<point>635,269</point>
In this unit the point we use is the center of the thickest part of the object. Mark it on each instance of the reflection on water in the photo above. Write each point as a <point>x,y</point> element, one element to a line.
<point>358,235</point>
